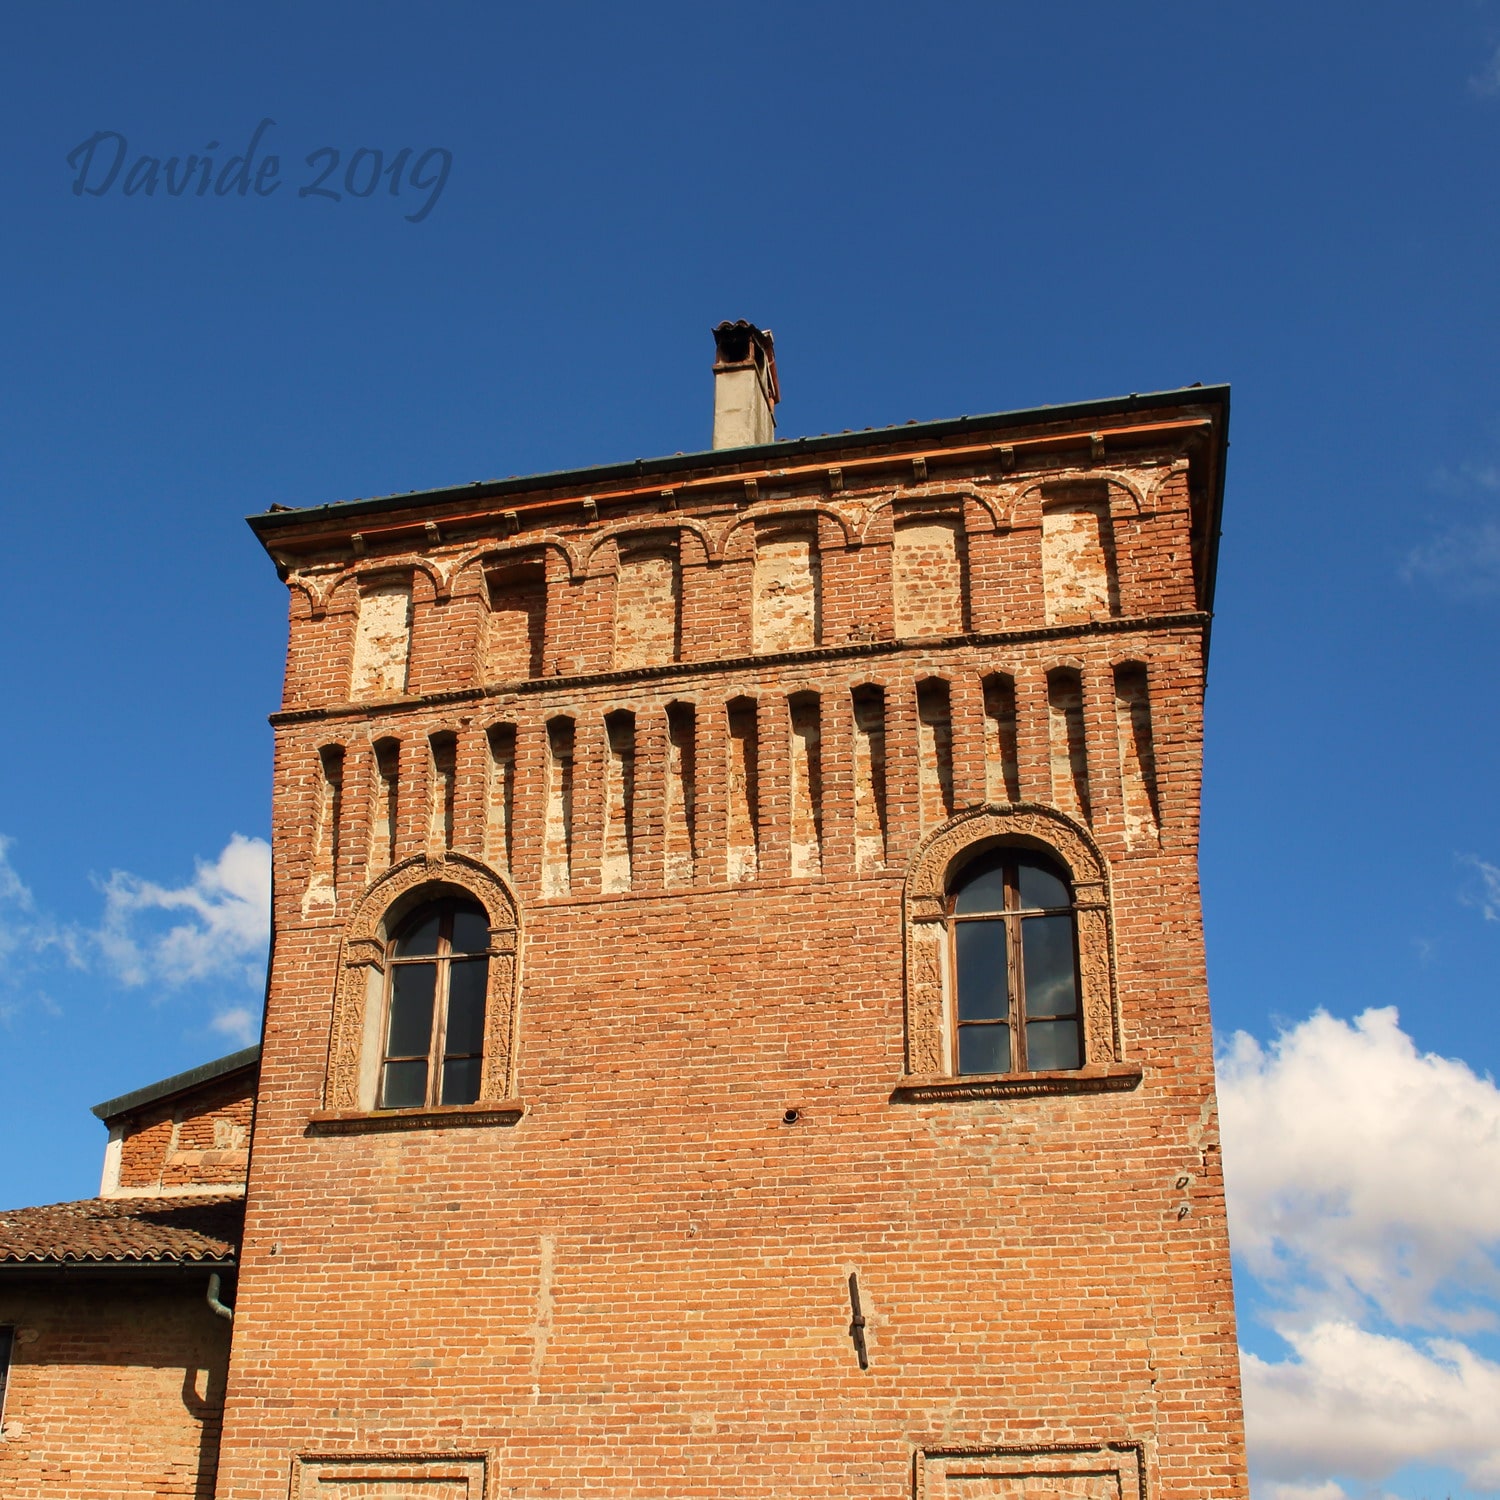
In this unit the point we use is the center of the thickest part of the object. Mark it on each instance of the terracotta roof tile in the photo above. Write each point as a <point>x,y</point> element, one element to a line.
<point>122,1231</point>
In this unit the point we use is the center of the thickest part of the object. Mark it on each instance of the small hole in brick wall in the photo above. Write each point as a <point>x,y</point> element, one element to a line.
<point>791,1117</point>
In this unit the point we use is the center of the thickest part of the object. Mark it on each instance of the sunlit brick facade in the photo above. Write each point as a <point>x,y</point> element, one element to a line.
<point>708,741</point>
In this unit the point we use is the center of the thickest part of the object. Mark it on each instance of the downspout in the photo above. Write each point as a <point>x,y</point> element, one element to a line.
<point>218,1308</point>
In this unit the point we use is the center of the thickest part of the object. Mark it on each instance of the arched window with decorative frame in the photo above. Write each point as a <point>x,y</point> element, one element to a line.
<point>424,1018</point>
<point>1013,955</point>
<point>1010,971</point>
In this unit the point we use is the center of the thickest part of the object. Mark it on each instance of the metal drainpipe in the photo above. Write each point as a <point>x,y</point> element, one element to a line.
<point>219,1308</point>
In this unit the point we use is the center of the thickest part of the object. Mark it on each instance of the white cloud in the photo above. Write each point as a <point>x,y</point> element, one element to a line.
<point>215,927</point>
<point>1363,1179</point>
<point>237,1023</point>
<point>1487,898</point>
<point>1463,560</point>
<point>26,936</point>
<point>1487,81</point>
<point>1273,1489</point>
<point>1363,1174</point>
<point>1365,1404</point>
<point>18,920</point>
<point>223,926</point>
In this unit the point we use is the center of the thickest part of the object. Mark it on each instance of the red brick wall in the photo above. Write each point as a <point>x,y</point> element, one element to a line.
<point>642,1287</point>
<point>199,1140</point>
<point>116,1391</point>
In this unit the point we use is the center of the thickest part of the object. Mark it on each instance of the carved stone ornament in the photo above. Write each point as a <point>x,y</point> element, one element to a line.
<point>1028,825</point>
<point>362,955</point>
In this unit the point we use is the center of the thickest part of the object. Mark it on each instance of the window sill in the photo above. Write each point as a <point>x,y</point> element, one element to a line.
<point>1100,1078</point>
<point>444,1117</point>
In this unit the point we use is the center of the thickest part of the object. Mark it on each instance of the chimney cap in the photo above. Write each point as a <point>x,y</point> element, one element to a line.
<point>739,344</point>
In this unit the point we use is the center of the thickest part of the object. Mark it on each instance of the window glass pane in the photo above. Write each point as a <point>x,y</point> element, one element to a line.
<point>1053,1044</point>
<point>460,1080</point>
<point>405,1084</point>
<point>984,1049</point>
<point>465,1032</point>
<point>412,988</point>
<point>471,930</point>
<point>421,937</point>
<point>1042,883</point>
<point>981,886</point>
<point>1047,962</point>
<point>983,988</point>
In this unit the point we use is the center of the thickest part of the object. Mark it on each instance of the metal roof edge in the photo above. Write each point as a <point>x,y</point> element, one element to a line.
<point>141,1265</point>
<point>1216,509</point>
<point>267,523</point>
<point>178,1083</point>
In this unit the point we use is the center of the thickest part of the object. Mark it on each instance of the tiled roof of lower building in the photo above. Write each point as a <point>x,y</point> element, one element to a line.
<point>123,1231</point>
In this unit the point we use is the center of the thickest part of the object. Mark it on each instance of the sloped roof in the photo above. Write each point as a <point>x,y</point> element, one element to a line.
<point>123,1231</point>
<point>178,1083</point>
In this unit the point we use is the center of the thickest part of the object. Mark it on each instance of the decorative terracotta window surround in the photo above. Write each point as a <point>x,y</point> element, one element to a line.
<point>929,982</point>
<point>355,1038</point>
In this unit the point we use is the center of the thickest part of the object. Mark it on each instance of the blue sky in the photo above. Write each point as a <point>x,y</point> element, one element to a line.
<point>960,209</point>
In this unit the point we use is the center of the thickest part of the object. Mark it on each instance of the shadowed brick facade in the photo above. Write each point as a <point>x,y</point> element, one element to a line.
<point>707,738</point>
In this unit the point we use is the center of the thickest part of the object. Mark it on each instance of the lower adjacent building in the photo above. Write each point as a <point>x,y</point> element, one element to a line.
<point>115,1311</point>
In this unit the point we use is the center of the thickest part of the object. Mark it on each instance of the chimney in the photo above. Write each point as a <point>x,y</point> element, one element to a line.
<point>745,389</point>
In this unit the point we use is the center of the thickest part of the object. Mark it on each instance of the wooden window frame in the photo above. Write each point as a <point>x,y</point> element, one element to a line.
<point>437,1056</point>
<point>1013,915</point>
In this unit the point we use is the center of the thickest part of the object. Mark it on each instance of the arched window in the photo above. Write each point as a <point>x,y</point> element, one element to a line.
<point>436,977</point>
<point>1014,951</point>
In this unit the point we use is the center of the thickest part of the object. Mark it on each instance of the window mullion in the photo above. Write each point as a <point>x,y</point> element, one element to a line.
<point>951,938</point>
<point>440,1011</point>
<point>439,1032</point>
<point>1015,977</point>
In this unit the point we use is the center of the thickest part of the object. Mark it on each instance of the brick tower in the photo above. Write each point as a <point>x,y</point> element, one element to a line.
<point>737,1022</point>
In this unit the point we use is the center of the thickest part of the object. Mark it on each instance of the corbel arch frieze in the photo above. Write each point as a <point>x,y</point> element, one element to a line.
<point>310,592</point>
<point>936,498</point>
<point>646,525</point>
<point>1062,478</point>
<point>493,551</point>
<point>359,988</point>
<point>787,510</point>
<point>1163,476</point>
<point>381,568</point>
<point>1031,825</point>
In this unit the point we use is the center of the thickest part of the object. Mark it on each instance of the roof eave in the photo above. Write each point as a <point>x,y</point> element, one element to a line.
<point>178,1083</point>
<point>268,523</point>
<point>57,1266</point>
